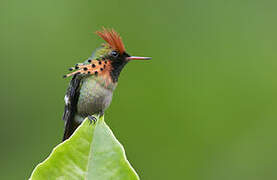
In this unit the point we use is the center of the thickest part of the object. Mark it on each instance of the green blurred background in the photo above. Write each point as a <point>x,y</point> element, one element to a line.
<point>203,109</point>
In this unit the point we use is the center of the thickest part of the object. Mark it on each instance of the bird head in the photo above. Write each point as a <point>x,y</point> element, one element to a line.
<point>111,57</point>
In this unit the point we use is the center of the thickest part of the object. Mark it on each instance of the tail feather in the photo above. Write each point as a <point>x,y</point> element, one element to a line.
<point>69,129</point>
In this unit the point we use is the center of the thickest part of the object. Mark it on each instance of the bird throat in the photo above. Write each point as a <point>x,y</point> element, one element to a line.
<point>117,67</point>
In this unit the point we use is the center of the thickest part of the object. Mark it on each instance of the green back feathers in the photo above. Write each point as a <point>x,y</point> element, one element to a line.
<point>101,52</point>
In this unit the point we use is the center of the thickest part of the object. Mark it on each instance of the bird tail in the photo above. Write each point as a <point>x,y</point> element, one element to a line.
<point>70,127</point>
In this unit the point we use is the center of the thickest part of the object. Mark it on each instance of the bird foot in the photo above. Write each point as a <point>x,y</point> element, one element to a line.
<point>92,118</point>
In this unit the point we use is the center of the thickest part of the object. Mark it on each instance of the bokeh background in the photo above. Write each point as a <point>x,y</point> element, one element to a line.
<point>203,109</point>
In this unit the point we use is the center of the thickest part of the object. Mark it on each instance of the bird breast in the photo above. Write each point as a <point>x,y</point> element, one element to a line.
<point>95,97</point>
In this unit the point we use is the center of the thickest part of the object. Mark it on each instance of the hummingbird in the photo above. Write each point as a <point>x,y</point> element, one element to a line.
<point>91,88</point>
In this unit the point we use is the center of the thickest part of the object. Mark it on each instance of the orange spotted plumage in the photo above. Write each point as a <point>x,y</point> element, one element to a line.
<point>95,67</point>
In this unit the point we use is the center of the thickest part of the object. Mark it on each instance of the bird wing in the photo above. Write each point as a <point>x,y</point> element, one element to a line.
<point>70,109</point>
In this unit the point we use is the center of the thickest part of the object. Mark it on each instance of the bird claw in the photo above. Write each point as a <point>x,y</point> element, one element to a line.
<point>92,118</point>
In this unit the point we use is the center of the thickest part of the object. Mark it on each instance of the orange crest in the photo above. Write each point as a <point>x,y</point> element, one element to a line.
<point>112,38</point>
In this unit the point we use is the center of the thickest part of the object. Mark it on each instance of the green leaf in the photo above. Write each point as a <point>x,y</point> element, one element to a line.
<point>92,152</point>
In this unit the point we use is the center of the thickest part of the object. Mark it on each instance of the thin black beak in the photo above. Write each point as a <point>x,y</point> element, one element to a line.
<point>138,58</point>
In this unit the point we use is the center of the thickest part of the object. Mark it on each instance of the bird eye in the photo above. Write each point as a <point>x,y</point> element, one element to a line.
<point>114,53</point>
